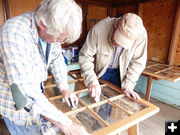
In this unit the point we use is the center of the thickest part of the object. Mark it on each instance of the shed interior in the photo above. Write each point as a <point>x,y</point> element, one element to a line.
<point>161,19</point>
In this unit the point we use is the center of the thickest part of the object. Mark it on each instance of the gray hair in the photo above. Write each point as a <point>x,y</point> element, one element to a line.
<point>60,16</point>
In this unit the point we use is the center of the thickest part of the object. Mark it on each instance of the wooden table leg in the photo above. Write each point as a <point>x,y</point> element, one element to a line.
<point>148,87</point>
<point>134,130</point>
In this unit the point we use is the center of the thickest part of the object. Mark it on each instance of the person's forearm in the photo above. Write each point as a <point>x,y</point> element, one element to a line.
<point>44,107</point>
<point>52,121</point>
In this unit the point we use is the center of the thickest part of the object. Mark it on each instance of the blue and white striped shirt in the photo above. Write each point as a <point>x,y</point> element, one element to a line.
<point>114,63</point>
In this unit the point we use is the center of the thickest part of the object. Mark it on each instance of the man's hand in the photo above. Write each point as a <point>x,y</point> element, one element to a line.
<point>95,91</point>
<point>73,129</point>
<point>70,98</point>
<point>131,93</point>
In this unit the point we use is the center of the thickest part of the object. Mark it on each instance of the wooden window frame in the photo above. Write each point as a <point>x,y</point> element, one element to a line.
<point>130,123</point>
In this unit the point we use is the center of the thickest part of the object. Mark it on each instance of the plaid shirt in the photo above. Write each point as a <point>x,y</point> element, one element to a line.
<point>22,63</point>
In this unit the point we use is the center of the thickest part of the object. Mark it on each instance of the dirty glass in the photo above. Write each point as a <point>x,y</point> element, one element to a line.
<point>109,113</point>
<point>129,105</point>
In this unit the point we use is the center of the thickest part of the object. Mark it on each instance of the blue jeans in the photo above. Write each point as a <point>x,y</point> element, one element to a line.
<point>21,130</point>
<point>113,76</point>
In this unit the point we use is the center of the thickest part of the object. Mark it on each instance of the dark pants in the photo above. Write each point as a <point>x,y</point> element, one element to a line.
<point>113,76</point>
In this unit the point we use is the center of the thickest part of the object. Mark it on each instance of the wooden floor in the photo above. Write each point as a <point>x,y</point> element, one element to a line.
<point>154,125</point>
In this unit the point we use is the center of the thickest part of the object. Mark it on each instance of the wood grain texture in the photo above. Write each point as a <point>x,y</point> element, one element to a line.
<point>94,14</point>
<point>18,7</point>
<point>175,37</point>
<point>1,13</point>
<point>177,57</point>
<point>158,17</point>
<point>134,130</point>
<point>149,86</point>
<point>125,9</point>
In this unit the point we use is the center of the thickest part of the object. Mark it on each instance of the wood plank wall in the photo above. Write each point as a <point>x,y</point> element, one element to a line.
<point>1,13</point>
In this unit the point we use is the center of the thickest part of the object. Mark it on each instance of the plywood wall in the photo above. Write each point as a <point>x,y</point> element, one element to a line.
<point>125,9</point>
<point>158,17</point>
<point>94,14</point>
<point>1,13</point>
<point>18,7</point>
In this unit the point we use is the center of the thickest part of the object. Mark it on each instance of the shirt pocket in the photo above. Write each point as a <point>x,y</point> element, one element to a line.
<point>103,58</point>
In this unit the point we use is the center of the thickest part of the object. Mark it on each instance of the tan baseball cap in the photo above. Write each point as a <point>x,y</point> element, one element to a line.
<point>130,25</point>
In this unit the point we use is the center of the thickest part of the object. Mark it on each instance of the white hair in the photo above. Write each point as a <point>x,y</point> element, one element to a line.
<point>60,16</point>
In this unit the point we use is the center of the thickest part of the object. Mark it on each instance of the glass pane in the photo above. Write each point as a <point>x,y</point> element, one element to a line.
<point>63,106</point>
<point>109,92</point>
<point>129,105</point>
<point>89,121</point>
<point>87,99</point>
<point>109,113</point>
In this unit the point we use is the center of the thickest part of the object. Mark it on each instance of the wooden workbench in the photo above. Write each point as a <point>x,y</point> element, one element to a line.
<point>123,112</point>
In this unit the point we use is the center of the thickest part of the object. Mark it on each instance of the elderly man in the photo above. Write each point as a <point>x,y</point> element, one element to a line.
<point>115,50</point>
<point>29,46</point>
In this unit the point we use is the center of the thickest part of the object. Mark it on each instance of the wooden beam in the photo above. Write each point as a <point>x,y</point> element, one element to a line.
<point>175,37</point>
<point>4,9</point>
<point>85,12</point>
<point>109,11</point>
<point>134,130</point>
<point>7,13</point>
